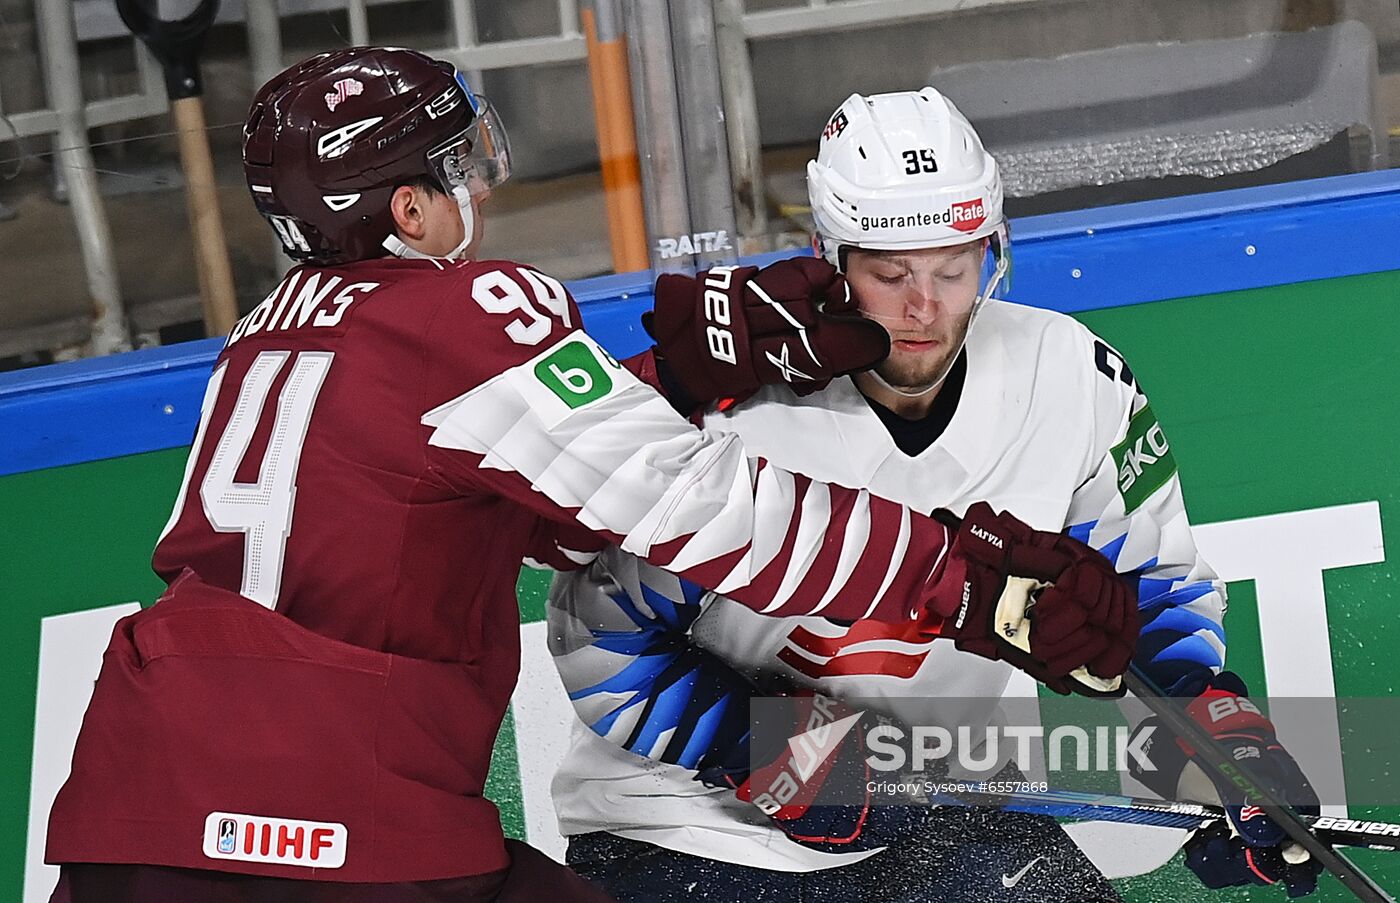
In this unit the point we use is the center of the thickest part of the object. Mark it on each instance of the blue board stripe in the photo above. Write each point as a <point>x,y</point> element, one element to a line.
<point>1072,262</point>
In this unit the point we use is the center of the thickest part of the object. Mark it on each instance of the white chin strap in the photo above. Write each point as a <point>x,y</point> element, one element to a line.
<point>915,393</point>
<point>394,245</point>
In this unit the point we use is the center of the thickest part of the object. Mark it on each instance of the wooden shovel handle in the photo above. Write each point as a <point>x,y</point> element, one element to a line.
<point>207,228</point>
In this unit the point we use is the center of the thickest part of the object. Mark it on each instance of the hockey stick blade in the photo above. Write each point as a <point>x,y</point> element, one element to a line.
<point>1209,754</point>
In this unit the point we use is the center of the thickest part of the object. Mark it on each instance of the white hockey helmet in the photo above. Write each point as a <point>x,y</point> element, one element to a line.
<point>902,171</point>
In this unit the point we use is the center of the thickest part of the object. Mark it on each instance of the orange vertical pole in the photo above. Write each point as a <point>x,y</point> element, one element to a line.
<point>617,146</point>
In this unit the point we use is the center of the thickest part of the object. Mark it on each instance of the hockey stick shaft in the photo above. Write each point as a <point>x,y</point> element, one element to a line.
<point>1083,806</point>
<point>1210,755</point>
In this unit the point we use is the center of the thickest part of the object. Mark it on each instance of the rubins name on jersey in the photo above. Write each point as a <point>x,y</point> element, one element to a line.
<point>305,298</point>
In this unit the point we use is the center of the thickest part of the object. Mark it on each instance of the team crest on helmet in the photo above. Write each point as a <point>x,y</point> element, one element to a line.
<point>836,125</point>
<point>344,89</point>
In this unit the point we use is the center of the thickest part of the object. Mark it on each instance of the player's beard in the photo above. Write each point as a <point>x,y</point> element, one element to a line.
<point>913,371</point>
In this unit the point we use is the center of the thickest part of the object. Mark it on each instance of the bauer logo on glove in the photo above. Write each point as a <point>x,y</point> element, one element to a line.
<point>1044,602</point>
<point>731,330</point>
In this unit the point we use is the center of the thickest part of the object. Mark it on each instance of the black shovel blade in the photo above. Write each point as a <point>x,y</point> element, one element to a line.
<point>176,43</point>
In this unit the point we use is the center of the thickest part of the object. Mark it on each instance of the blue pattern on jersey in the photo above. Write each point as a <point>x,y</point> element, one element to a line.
<point>652,635</point>
<point>624,642</point>
<point>703,734</point>
<point>1190,649</point>
<point>1170,643</point>
<point>1150,588</point>
<point>665,715</point>
<point>1147,565</point>
<point>1081,531</point>
<point>603,726</point>
<point>691,591</point>
<point>638,674</point>
<point>1167,639</point>
<point>668,616</point>
<point>1183,621</point>
<point>1113,549</point>
<point>1182,595</point>
<point>683,691</point>
<point>629,608</point>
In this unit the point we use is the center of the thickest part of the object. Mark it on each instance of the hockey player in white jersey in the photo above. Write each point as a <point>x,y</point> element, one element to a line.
<point>980,401</point>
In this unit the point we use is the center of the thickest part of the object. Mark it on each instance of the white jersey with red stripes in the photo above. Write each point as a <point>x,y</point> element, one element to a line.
<point>1050,425</point>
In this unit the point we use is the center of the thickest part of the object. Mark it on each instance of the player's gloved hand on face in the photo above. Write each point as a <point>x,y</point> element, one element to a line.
<point>1221,858</point>
<point>1044,602</point>
<point>816,788</point>
<point>730,330</point>
<point>1220,703</point>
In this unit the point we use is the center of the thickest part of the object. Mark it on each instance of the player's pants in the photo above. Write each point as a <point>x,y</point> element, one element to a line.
<point>963,854</point>
<point>531,878</point>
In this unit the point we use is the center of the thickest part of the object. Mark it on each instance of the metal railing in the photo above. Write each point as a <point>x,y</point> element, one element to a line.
<point>148,101</point>
<point>68,115</point>
<point>820,15</point>
<point>65,24</point>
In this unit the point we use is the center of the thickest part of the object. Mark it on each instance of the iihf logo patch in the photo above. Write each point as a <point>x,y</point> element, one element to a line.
<point>344,89</point>
<point>279,841</point>
<point>228,831</point>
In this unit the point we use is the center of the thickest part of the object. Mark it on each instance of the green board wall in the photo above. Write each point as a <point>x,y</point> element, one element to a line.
<point>1275,400</point>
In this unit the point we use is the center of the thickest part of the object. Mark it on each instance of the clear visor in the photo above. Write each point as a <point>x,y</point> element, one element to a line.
<point>476,158</point>
<point>996,266</point>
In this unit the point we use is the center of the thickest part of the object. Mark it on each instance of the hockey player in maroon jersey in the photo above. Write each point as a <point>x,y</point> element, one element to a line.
<point>308,711</point>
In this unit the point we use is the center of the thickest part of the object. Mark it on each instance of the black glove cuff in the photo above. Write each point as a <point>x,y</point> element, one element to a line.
<point>1166,755</point>
<point>671,387</point>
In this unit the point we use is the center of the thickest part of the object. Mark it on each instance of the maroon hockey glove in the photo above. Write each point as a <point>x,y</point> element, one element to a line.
<point>730,330</point>
<point>1044,602</point>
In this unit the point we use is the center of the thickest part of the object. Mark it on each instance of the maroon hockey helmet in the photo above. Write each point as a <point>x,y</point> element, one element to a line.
<point>328,140</point>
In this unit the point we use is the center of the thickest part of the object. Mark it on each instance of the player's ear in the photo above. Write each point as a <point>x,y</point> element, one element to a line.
<point>406,205</point>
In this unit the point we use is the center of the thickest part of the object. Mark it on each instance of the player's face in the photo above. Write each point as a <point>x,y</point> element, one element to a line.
<point>924,299</point>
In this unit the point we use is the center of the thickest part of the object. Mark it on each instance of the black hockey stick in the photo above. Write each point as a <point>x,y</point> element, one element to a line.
<point>1209,753</point>
<point>1082,806</point>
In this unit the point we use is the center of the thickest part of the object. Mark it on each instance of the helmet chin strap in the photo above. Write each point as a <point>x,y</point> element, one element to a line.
<point>916,393</point>
<point>395,245</point>
<point>928,387</point>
